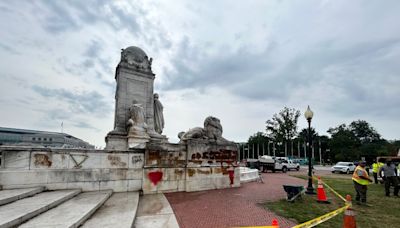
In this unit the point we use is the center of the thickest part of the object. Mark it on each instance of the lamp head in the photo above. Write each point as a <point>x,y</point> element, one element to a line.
<point>308,114</point>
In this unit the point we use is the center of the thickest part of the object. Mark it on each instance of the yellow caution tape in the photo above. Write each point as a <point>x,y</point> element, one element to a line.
<point>331,189</point>
<point>326,216</point>
<point>319,219</point>
<point>322,218</point>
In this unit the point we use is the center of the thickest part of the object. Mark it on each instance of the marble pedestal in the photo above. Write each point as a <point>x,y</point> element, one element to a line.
<point>137,142</point>
<point>115,141</point>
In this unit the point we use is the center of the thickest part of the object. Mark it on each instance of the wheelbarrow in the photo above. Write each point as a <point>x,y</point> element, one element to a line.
<point>293,192</point>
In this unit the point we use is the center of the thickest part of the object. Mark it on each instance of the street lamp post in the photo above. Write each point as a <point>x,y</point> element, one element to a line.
<point>309,115</point>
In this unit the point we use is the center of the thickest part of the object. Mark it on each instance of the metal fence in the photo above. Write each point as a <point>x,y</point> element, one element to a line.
<point>292,150</point>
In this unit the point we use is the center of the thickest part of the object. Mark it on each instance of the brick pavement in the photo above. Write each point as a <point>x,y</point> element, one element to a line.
<point>234,206</point>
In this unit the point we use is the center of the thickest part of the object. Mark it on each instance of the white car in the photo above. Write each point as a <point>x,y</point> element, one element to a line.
<point>343,167</point>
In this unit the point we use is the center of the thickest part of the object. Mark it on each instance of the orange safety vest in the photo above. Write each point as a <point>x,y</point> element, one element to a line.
<point>357,179</point>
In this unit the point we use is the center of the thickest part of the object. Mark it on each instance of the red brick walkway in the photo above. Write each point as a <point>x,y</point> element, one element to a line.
<point>232,207</point>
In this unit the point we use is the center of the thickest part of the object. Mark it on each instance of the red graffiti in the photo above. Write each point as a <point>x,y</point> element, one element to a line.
<point>155,177</point>
<point>231,174</point>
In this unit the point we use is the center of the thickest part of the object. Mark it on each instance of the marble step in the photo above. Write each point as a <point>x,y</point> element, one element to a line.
<point>17,212</point>
<point>11,195</point>
<point>71,213</point>
<point>118,211</point>
<point>154,211</point>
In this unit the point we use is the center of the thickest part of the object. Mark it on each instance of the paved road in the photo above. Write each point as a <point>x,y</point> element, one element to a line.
<point>234,206</point>
<point>322,171</point>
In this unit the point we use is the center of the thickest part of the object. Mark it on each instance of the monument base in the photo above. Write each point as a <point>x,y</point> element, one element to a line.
<point>137,142</point>
<point>116,141</point>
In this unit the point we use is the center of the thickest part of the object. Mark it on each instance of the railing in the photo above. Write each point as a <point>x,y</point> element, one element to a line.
<point>295,150</point>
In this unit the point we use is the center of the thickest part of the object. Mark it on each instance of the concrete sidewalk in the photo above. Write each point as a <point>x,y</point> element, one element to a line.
<point>232,207</point>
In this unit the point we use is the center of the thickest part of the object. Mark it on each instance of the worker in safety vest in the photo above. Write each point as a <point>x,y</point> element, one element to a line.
<point>375,169</point>
<point>361,180</point>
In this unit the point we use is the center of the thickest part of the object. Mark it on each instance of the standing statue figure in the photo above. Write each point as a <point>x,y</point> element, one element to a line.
<point>136,124</point>
<point>158,115</point>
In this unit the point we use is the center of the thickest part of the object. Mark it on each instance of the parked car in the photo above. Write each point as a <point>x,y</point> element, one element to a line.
<point>343,167</point>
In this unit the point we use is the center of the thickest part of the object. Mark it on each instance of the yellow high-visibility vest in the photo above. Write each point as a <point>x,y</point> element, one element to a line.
<point>357,179</point>
<point>376,166</point>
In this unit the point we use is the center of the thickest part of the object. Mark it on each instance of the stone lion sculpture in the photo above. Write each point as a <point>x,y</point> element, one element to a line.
<point>212,131</point>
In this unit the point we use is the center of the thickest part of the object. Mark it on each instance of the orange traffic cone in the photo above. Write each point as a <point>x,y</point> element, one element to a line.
<point>349,219</point>
<point>275,223</point>
<point>321,196</point>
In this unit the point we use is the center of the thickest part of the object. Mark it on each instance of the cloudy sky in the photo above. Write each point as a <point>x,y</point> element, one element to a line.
<point>239,61</point>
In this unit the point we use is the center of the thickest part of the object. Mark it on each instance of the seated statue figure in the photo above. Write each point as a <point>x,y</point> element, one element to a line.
<point>136,125</point>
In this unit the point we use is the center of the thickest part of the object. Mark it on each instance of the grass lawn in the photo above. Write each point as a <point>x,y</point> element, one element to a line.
<point>384,211</point>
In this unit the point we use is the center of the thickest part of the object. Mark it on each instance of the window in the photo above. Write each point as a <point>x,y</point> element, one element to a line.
<point>39,139</point>
<point>50,139</point>
<point>44,139</point>
<point>33,139</point>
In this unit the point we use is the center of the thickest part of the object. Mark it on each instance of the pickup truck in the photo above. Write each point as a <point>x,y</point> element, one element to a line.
<point>270,163</point>
<point>291,165</point>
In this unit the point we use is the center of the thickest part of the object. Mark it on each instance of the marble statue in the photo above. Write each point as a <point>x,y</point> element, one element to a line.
<point>212,131</point>
<point>213,128</point>
<point>158,115</point>
<point>136,125</point>
<point>136,57</point>
<point>193,133</point>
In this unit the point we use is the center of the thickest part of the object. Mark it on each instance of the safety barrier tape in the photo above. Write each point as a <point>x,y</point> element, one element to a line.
<point>322,218</point>
<point>331,189</point>
<point>326,216</point>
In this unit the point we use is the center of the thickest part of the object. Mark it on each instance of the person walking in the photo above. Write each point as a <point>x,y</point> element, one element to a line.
<point>361,181</point>
<point>390,172</point>
<point>375,169</point>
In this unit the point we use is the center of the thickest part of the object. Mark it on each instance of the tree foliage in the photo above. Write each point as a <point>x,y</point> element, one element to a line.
<point>283,126</point>
<point>258,138</point>
<point>303,134</point>
<point>343,143</point>
<point>346,142</point>
<point>356,140</point>
<point>363,131</point>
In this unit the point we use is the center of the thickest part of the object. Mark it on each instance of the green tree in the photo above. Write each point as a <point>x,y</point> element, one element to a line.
<point>363,131</point>
<point>258,138</point>
<point>283,126</point>
<point>303,134</point>
<point>357,140</point>
<point>343,144</point>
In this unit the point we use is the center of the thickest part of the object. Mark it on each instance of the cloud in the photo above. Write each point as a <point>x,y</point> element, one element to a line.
<point>9,49</point>
<point>57,17</point>
<point>85,125</point>
<point>60,17</point>
<point>84,102</point>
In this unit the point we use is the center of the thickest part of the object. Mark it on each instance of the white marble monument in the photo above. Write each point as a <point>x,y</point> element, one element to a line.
<point>135,81</point>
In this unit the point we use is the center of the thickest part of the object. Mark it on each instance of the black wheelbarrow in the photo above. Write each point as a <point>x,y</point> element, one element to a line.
<point>293,192</point>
